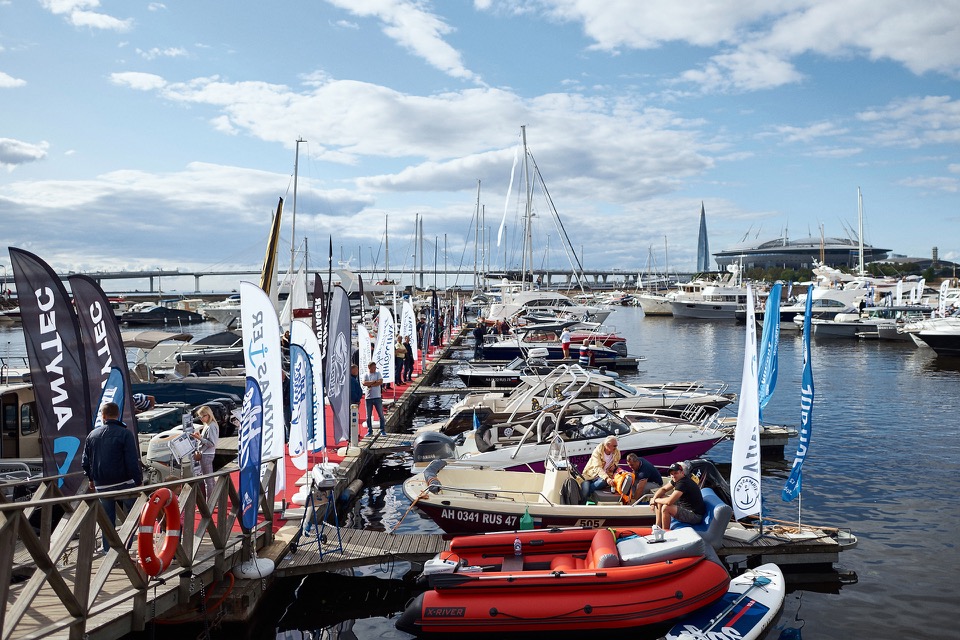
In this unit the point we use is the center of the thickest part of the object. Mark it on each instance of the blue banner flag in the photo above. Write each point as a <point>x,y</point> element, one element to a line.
<point>113,391</point>
<point>302,404</point>
<point>251,428</point>
<point>794,484</point>
<point>769,348</point>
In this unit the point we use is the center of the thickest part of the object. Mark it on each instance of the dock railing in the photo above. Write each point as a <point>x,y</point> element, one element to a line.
<point>53,577</point>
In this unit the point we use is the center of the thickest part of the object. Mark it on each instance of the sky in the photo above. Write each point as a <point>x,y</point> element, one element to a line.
<point>142,135</point>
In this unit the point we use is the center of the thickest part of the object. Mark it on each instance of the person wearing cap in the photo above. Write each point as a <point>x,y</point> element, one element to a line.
<point>601,468</point>
<point>685,503</point>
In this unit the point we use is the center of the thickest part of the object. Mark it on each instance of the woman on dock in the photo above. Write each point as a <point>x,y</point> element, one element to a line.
<point>207,438</point>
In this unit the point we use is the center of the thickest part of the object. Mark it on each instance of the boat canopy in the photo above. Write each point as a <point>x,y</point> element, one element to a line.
<point>151,338</point>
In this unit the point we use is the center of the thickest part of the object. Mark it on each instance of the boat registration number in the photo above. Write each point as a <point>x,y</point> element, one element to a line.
<point>497,519</point>
<point>594,523</point>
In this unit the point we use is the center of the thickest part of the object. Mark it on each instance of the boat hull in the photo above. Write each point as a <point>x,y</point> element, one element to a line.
<point>704,310</point>
<point>945,344</point>
<point>549,590</point>
<point>457,520</point>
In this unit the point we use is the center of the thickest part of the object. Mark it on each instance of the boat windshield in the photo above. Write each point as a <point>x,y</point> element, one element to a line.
<point>624,387</point>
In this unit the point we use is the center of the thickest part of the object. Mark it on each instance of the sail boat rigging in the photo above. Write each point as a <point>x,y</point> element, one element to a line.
<point>533,177</point>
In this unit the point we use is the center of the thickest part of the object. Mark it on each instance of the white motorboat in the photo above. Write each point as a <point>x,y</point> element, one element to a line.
<point>867,324</point>
<point>543,302</point>
<point>573,381</point>
<point>710,299</point>
<point>940,334</point>
<point>656,303</point>
<point>469,499</point>
<point>226,311</point>
<point>523,446</point>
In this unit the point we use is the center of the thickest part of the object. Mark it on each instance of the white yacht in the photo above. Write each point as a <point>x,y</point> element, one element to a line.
<point>711,299</point>
<point>865,324</point>
<point>541,302</point>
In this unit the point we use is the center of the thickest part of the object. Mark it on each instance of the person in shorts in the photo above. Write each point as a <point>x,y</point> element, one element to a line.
<point>684,503</point>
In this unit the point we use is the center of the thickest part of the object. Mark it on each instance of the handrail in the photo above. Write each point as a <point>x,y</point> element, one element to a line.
<point>57,557</point>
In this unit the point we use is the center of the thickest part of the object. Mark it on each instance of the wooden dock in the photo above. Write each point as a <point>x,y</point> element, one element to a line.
<point>360,548</point>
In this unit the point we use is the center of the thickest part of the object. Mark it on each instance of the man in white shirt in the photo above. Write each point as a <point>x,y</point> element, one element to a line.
<point>372,381</point>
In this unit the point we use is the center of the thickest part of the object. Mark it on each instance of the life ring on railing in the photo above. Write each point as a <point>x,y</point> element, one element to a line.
<point>153,562</point>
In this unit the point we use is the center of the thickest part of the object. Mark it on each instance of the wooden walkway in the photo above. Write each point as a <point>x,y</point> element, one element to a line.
<point>55,584</point>
<point>359,548</point>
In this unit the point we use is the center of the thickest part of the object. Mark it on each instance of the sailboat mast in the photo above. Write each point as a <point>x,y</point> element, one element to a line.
<point>860,228</point>
<point>293,217</point>
<point>420,233</point>
<point>386,247</point>
<point>476,241</point>
<point>666,261</point>
<point>527,261</point>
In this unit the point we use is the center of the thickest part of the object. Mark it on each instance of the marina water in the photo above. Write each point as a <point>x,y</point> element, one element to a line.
<point>884,461</point>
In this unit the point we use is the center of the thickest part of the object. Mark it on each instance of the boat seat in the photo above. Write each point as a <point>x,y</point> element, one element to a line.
<point>602,554</point>
<point>639,550</point>
<point>714,523</point>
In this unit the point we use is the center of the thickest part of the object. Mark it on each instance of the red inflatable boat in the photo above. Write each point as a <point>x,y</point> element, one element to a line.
<point>564,579</point>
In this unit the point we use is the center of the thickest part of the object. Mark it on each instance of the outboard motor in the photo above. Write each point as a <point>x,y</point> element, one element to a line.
<point>231,423</point>
<point>169,457</point>
<point>707,476</point>
<point>433,445</point>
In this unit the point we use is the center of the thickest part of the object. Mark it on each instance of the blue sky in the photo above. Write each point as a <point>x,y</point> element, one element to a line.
<point>148,134</point>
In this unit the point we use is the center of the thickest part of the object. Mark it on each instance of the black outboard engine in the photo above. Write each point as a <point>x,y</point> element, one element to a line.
<point>231,424</point>
<point>433,445</point>
<point>707,476</point>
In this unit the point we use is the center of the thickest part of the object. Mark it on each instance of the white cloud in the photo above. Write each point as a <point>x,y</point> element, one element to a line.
<point>16,152</point>
<point>413,28</point>
<point>746,69</point>
<point>932,183</point>
<point>9,82</point>
<point>913,122</point>
<point>138,80</point>
<point>761,39</point>
<point>161,206</point>
<point>441,142</point>
<point>834,152</point>
<point>614,24</point>
<point>80,13</point>
<point>808,133</point>
<point>169,52</point>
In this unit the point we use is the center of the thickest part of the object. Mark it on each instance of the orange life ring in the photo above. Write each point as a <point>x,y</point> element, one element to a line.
<point>155,563</point>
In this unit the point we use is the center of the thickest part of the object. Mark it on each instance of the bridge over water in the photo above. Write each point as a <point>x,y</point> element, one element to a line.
<point>592,279</point>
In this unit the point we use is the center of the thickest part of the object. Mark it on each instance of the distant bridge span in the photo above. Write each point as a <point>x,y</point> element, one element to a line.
<point>563,279</point>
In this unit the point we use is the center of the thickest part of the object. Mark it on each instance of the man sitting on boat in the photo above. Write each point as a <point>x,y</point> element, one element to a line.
<point>646,478</point>
<point>685,503</point>
<point>601,468</point>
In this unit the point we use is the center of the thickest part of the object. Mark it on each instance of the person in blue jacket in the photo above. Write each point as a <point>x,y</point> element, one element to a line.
<point>111,460</point>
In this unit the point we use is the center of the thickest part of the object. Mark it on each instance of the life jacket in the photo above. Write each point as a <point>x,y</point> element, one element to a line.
<point>623,483</point>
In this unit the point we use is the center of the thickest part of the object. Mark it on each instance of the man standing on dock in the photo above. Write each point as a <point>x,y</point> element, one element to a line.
<point>399,353</point>
<point>373,381</point>
<point>111,459</point>
<point>478,333</point>
<point>408,359</point>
